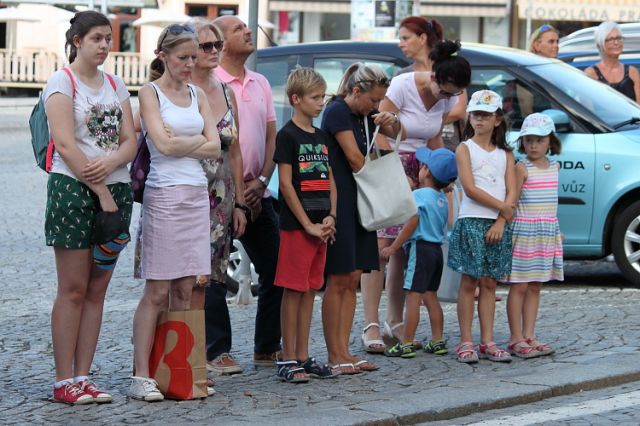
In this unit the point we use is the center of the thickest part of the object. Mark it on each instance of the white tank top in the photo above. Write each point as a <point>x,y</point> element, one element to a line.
<point>185,121</point>
<point>488,168</point>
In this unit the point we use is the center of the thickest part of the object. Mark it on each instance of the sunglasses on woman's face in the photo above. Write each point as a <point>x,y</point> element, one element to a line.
<point>176,29</point>
<point>208,46</point>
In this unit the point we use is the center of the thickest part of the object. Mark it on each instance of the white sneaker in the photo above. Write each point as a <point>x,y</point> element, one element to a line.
<point>145,389</point>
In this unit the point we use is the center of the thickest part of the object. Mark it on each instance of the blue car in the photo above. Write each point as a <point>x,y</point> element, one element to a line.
<point>599,193</point>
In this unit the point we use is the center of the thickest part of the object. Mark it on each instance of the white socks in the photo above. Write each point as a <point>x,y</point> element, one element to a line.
<point>61,383</point>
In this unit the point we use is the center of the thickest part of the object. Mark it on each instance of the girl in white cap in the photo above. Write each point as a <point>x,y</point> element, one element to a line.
<point>480,245</point>
<point>537,242</point>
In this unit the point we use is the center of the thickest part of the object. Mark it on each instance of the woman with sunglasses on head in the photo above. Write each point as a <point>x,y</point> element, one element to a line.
<point>544,41</point>
<point>350,119</point>
<point>226,193</point>
<point>89,117</point>
<point>422,100</point>
<point>624,78</point>
<point>180,132</point>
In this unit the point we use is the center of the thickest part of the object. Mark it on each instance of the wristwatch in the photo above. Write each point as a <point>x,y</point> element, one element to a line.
<point>395,118</point>
<point>264,180</point>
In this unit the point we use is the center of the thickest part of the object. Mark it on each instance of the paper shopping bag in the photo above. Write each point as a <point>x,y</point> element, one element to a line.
<point>178,361</point>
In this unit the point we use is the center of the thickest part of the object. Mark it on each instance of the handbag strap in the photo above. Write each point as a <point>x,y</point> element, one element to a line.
<point>372,143</point>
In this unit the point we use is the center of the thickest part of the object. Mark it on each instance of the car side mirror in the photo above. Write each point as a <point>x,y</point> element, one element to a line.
<point>560,120</point>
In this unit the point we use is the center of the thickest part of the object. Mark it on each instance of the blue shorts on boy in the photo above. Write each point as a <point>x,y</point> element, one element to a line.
<point>424,265</point>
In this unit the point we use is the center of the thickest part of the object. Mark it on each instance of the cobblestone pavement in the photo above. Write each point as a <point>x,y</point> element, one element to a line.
<point>595,329</point>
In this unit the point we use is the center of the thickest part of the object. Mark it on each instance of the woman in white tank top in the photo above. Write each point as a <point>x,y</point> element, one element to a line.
<point>176,119</point>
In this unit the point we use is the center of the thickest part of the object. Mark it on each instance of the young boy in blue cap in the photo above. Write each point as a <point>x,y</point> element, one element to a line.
<point>424,234</point>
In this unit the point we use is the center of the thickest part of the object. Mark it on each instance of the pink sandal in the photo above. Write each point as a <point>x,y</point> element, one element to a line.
<point>522,349</point>
<point>466,353</point>
<point>493,353</point>
<point>542,348</point>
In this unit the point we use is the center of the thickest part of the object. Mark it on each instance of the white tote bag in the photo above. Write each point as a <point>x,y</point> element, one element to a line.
<point>450,280</point>
<point>384,195</point>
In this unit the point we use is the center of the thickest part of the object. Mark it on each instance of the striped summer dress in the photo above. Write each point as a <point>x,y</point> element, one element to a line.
<point>537,243</point>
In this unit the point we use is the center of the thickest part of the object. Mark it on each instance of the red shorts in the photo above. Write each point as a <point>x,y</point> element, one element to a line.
<point>301,260</point>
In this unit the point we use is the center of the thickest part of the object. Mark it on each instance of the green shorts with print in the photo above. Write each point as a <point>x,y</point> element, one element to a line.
<point>71,211</point>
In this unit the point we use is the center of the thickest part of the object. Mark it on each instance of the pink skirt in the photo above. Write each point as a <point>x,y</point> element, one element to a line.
<point>174,220</point>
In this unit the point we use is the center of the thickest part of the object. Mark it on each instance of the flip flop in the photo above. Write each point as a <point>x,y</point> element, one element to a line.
<point>346,369</point>
<point>365,365</point>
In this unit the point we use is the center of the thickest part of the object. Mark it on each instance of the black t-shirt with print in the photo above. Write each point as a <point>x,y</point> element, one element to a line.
<point>308,155</point>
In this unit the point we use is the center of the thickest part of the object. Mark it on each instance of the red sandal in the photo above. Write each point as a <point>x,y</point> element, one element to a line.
<point>493,353</point>
<point>522,349</point>
<point>542,348</point>
<point>466,353</point>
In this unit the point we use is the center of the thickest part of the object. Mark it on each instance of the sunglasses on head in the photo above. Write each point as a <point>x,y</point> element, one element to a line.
<point>175,29</point>
<point>544,28</point>
<point>384,81</point>
<point>208,46</point>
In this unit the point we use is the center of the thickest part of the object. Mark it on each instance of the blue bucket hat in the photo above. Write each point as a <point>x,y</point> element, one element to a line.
<point>441,162</point>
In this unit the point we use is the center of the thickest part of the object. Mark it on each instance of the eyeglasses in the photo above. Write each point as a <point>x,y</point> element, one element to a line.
<point>449,94</point>
<point>481,115</point>
<point>175,29</point>
<point>208,46</point>
<point>618,39</point>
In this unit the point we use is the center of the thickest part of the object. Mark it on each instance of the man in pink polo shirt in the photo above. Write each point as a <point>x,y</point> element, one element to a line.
<point>257,133</point>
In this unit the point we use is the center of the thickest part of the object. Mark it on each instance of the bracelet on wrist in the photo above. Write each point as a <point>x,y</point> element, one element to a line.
<point>333,216</point>
<point>242,207</point>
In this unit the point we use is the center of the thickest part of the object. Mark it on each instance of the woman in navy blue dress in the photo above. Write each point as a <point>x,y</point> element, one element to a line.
<point>355,249</point>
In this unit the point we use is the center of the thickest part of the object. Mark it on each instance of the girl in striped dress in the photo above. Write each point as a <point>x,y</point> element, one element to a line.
<point>537,242</point>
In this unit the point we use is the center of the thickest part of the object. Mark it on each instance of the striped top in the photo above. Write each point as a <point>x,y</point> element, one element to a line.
<point>539,193</point>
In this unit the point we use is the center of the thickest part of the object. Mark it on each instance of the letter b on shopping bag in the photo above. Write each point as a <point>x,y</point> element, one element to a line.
<point>177,361</point>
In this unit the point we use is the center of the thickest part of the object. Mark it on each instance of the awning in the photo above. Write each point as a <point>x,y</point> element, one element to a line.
<point>336,6</point>
<point>466,8</point>
<point>585,10</point>
<point>485,8</point>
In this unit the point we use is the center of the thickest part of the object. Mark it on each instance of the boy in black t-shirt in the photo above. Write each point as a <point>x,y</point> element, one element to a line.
<point>307,221</point>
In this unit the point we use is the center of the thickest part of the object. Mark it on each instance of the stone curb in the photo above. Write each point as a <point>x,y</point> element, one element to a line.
<point>462,398</point>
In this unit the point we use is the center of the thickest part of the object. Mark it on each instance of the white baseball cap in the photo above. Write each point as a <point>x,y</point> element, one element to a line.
<point>484,100</point>
<point>537,124</point>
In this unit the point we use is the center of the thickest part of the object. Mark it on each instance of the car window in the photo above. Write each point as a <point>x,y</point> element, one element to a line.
<point>518,99</point>
<point>611,106</point>
<point>332,69</point>
<point>276,70</point>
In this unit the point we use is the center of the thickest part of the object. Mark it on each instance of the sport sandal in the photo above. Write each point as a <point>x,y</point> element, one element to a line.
<point>466,353</point>
<point>543,348</point>
<point>436,347</point>
<point>318,371</point>
<point>522,349</point>
<point>493,353</point>
<point>373,346</point>
<point>290,372</point>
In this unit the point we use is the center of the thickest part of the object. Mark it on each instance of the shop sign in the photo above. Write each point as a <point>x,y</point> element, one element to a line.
<point>605,10</point>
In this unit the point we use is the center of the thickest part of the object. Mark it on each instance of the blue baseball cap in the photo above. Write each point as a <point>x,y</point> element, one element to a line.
<point>441,162</point>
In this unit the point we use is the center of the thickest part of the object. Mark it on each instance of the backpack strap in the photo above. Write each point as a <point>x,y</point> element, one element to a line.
<point>111,80</point>
<point>73,81</point>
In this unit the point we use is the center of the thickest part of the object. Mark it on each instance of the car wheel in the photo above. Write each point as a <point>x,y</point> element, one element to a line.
<point>238,262</point>
<point>625,242</point>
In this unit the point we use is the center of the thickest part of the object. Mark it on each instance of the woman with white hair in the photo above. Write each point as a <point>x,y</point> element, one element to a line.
<point>624,78</point>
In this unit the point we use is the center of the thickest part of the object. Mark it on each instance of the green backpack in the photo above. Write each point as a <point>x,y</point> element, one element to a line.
<point>41,140</point>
